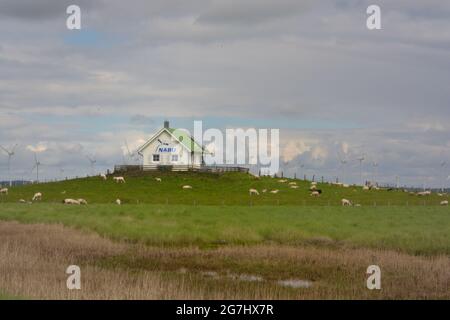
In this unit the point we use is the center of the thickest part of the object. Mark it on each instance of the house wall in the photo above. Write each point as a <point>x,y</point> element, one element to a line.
<point>173,148</point>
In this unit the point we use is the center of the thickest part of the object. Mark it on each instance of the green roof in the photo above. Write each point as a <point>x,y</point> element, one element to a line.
<point>186,140</point>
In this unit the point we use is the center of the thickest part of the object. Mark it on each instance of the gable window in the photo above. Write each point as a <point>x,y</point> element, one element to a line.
<point>156,158</point>
<point>174,157</point>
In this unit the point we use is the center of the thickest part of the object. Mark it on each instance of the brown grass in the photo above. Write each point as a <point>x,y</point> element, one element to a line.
<point>33,260</point>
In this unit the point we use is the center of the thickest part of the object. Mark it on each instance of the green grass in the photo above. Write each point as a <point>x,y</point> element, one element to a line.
<point>9,297</point>
<point>209,189</point>
<point>423,230</point>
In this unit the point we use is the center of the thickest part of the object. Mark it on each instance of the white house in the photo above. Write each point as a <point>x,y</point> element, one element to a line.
<point>171,147</point>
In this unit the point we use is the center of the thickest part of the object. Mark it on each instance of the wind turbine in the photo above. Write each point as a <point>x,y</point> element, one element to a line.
<point>443,165</point>
<point>343,162</point>
<point>375,172</point>
<point>37,163</point>
<point>92,162</point>
<point>10,154</point>
<point>132,155</point>
<point>361,159</point>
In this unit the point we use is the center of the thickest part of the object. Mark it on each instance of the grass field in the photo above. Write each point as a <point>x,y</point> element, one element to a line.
<point>423,230</point>
<point>212,189</point>
<point>217,242</point>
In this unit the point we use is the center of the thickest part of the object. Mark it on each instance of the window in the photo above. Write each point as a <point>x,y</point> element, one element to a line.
<point>174,157</point>
<point>156,157</point>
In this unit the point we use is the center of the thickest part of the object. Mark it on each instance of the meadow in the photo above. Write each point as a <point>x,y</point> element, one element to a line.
<point>417,230</point>
<point>216,241</point>
<point>211,189</point>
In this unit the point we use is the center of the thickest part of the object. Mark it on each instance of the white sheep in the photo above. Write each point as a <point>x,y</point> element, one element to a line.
<point>315,194</point>
<point>71,201</point>
<point>187,187</point>
<point>444,203</point>
<point>119,179</point>
<point>282,180</point>
<point>365,188</point>
<point>37,196</point>
<point>103,176</point>
<point>4,191</point>
<point>292,183</point>
<point>294,187</point>
<point>82,201</point>
<point>158,179</point>
<point>275,191</point>
<point>346,202</point>
<point>118,202</point>
<point>264,190</point>
<point>253,191</point>
<point>22,201</point>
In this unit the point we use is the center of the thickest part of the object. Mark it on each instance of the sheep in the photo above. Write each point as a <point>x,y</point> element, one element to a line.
<point>292,183</point>
<point>253,191</point>
<point>118,202</point>
<point>264,190</point>
<point>315,194</point>
<point>313,183</point>
<point>346,185</point>
<point>71,201</point>
<point>82,201</point>
<point>103,176</point>
<point>158,179</point>
<point>22,201</point>
<point>366,188</point>
<point>254,176</point>
<point>423,193</point>
<point>282,180</point>
<point>346,202</point>
<point>275,191</point>
<point>440,194</point>
<point>4,191</point>
<point>294,187</point>
<point>119,179</point>
<point>313,187</point>
<point>357,205</point>
<point>37,196</point>
<point>187,187</point>
<point>444,203</point>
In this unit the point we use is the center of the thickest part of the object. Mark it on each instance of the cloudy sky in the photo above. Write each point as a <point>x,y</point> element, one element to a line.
<point>312,70</point>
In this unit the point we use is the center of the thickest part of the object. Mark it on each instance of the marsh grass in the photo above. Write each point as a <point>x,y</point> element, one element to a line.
<point>33,259</point>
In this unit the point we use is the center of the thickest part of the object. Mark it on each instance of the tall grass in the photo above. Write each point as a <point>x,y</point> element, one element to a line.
<point>33,260</point>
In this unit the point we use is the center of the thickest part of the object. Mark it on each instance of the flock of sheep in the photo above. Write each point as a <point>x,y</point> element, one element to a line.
<point>314,191</point>
<point>38,195</point>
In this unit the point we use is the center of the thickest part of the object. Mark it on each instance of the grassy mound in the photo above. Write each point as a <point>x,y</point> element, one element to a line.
<point>210,189</point>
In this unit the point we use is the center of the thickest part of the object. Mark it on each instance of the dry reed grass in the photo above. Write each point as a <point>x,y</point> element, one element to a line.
<point>33,260</point>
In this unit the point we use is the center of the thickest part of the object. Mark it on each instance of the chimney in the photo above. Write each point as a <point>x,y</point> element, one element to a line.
<point>166,124</point>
